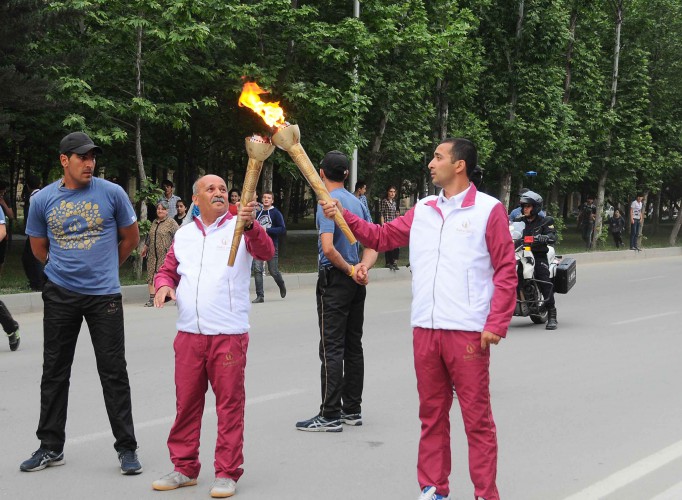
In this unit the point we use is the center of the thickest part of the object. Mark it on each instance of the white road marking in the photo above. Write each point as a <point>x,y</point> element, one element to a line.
<point>673,493</point>
<point>645,318</point>
<point>647,279</point>
<point>630,474</point>
<point>87,438</point>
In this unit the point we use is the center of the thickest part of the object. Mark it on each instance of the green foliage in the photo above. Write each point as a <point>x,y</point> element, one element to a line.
<point>389,83</point>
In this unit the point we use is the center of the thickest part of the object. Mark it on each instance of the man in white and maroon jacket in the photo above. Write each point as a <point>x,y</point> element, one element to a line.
<point>464,289</point>
<point>212,339</point>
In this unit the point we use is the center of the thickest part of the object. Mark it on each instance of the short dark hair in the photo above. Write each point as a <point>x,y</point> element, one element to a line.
<point>360,185</point>
<point>268,192</point>
<point>463,149</point>
<point>168,183</point>
<point>233,190</point>
<point>335,165</point>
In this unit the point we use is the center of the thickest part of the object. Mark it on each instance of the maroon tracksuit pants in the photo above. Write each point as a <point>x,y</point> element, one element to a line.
<point>220,360</point>
<point>443,358</point>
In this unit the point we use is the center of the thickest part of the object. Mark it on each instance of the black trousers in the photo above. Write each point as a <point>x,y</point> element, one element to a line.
<point>542,273</point>
<point>64,313</point>
<point>341,314</point>
<point>392,256</point>
<point>33,268</point>
<point>6,319</point>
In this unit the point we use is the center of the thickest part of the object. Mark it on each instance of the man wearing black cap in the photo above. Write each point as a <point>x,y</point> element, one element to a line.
<point>88,227</point>
<point>340,308</point>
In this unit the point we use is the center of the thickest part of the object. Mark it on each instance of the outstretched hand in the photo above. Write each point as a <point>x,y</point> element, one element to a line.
<point>330,207</point>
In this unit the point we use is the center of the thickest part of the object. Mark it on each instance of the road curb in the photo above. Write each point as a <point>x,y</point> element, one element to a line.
<point>21,303</point>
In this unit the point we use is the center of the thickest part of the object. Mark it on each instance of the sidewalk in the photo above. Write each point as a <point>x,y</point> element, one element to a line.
<point>21,303</point>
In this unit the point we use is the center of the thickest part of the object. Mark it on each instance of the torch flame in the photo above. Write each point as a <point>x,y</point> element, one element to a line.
<point>271,113</point>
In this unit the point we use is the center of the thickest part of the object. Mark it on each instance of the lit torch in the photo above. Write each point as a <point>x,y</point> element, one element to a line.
<point>287,137</point>
<point>259,149</point>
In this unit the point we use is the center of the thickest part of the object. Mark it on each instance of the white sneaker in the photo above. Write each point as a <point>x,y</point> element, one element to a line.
<point>173,481</point>
<point>223,487</point>
<point>429,493</point>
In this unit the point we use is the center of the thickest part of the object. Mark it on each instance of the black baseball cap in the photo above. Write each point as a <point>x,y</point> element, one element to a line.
<point>335,165</point>
<point>79,143</point>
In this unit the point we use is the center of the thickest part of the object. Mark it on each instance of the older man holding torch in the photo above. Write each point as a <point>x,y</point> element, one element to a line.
<point>212,339</point>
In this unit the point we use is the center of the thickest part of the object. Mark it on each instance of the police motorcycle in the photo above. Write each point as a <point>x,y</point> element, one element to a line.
<point>562,273</point>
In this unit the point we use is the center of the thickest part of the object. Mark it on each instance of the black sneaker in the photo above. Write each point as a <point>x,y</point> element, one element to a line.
<point>258,300</point>
<point>351,418</point>
<point>42,458</point>
<point>283,291</point>
<point>14,340</point>
<point>320,424</point>
<point>130,465</point>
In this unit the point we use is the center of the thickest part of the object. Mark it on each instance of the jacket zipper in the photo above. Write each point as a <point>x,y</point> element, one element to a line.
<point>201,267</point>
<point>440,240</point>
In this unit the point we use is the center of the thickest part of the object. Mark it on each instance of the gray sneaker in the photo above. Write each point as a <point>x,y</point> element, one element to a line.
<point>223,487</point>
<point>173,481</point>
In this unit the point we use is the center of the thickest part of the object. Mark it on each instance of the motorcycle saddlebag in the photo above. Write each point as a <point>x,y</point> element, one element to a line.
<point>565,275</point>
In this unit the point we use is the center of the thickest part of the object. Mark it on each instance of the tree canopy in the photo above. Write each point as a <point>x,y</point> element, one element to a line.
<point>585,94</point>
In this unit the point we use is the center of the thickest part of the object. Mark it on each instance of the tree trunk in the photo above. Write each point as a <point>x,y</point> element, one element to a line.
<point>655,220</point>
<point>618,4</point>
<point>376,144</point>
<point>266,179</point>
<point>676,229</point>
<point>138,149</point>
<point>601,189</point>
<point>512,57</point>
<point>505,188</point>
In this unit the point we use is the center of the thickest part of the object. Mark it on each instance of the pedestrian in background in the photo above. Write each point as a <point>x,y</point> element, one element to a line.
<point>181,209</point>
<point>9,325</point>
<point>170,197</point>
<point>157,244</point>
<point>616,228</point>
<point>234,201</point>
<point>636,217</point>
<point>464,294</point>
<point>361,194</point>
<point>33,268</point>
<point>389,211</point>
<point>89,228</point>
<point>212,339</point>
<point>272,220</point>
<point>340,292</point>
<point>9,215</point>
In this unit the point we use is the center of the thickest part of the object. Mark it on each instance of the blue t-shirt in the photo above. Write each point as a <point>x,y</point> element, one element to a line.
<point>2,217</point>
<point>349,252</point>
<point>82,228</point>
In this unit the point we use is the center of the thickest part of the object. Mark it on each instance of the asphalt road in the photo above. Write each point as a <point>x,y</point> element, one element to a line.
<point>592,410</point>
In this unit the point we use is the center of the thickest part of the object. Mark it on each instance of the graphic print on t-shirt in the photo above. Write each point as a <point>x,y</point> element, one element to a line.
<point>76,225</point>
<point>264,219</point>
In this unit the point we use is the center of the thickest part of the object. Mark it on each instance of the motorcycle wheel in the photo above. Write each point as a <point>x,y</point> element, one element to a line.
<point>539,319</point>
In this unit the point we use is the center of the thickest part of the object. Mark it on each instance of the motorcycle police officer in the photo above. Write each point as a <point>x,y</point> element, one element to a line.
<point>543,234</point>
